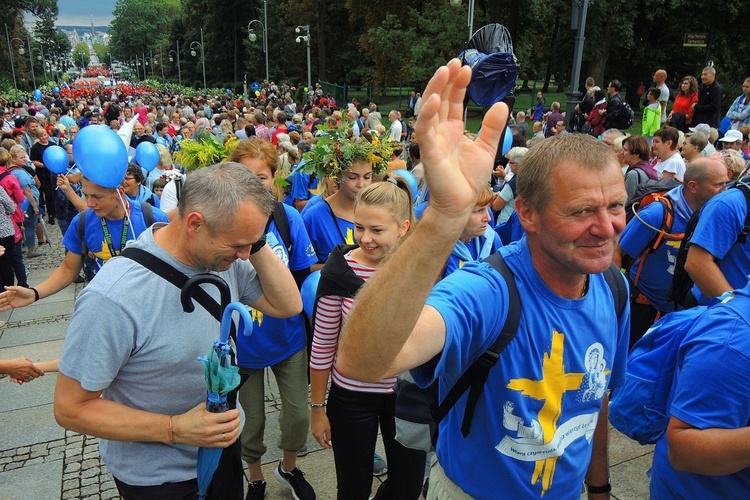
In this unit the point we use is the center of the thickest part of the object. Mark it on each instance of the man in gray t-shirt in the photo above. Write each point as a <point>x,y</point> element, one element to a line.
<point>128,371</point>
<point>660,78</point>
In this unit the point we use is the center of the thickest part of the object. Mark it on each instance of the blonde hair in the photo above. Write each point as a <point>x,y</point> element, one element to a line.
<point>164,157</point>
<point>262,149</point>
<point>393,194</point>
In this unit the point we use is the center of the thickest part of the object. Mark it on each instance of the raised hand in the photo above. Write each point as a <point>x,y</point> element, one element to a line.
<point>456,168</point>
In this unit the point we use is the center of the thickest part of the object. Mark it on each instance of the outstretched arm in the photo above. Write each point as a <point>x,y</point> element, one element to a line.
<point>375,345</point>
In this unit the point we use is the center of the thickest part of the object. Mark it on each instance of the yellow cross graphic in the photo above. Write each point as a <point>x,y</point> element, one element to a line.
<point>257,316</point>
<point>555,382</point>
<point>349,236</point>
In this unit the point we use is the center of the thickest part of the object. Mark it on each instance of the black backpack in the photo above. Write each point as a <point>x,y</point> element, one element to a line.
<point>626,118</point>
<point>682,283</point>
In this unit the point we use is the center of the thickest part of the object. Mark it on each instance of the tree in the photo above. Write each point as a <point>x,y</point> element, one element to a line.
<point>141,25</point>
<point>102,52</point>
<point>81,55</point>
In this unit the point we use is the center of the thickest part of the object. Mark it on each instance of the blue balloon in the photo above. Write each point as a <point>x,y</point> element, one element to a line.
<point>147,155</point>
<point>101,155</point>
<point>507,140</point>
<point>37,95</point>
<point>308,291</point>
<point>56,90</point>
<point>25,204</point>
<point>229,91</point>
<point>55,159</point>
<point>410,180</point>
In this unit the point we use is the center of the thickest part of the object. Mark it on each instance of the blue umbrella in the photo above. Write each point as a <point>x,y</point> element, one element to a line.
<point>220,373</point>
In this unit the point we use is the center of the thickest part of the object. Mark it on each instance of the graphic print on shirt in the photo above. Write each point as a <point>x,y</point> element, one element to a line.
<point>544,439</point>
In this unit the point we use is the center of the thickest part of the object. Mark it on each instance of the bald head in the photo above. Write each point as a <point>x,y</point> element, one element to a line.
<point>660,76</point>
<point>704,178</point>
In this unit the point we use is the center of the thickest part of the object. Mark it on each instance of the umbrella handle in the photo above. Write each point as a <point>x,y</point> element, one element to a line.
<point>186,294</point>
<point>246,321</point>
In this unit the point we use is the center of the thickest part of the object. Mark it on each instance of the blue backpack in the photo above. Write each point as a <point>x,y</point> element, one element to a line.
<point>640,409</point>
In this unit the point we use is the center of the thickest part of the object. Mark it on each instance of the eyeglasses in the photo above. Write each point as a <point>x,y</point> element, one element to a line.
<point>129,178</point>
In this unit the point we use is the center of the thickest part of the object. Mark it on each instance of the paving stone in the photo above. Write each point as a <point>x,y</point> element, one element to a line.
<point>92,489</point>
<point>89,480</point>
<point>109,494</point>
<point>33,461</point>
<point>94,471</point>
<point>72,467</point>
<point>39,481</point>
<point>91,462</point>
<point>71,494</point>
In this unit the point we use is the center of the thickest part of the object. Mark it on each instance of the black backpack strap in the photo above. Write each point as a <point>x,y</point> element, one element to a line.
<point>177,187</point>
<point>148,213</point>
<point>616,283</point>
<point>177,278</point>
<point>474,378</point>
<point>282,224</point>
<point>742,238</point>
<point>82,232</point>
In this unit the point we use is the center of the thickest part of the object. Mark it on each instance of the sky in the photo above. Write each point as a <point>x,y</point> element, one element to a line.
<point>78,12</point>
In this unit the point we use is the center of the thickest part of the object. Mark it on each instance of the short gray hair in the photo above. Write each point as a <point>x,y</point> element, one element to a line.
<point>218,191</point>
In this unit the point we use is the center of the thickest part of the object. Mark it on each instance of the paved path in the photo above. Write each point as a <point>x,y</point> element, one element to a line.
<point>40,460</point>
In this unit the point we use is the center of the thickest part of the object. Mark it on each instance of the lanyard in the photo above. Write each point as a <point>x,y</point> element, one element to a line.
<point>108,238</point>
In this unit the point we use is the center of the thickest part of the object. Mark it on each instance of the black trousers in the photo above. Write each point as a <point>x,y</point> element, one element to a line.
<point>355,418</point>
<point>47,191</point>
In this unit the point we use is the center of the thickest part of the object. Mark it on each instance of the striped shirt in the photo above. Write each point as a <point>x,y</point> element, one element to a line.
<point>329,316</point>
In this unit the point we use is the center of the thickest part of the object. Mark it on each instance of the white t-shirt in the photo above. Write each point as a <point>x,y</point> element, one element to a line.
<point>674,164</point>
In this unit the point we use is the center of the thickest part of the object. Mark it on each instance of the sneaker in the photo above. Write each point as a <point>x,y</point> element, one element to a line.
<point>256,490</point>
<point>301,489</point>
<point>80,279</point>
<point>51,221</point>
<point>35,253</point>
<point>303,452</point>
<point>379,466</point>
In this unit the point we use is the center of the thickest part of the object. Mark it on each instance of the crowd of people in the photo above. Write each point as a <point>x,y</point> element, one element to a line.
<point>399,216</point>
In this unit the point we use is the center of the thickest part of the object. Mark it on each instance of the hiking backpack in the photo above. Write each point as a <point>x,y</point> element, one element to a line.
<point>640,408</point>
<point>682,283</point>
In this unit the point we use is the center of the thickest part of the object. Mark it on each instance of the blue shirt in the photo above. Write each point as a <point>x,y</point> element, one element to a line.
<point>145,194</point>
<point>655,280</point>
<point>710,392</point>
<point>326,230</point>
<point>721,222</point>
<point>94,234</point>
<point>541,402</point>
<point>26,180</point>
<point>273,339</point>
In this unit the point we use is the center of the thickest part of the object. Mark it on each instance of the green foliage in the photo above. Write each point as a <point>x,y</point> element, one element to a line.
<point>334,154</point>
<point>80,55</point>
<point>140,25</point>
<point>102,52</point>
<point>206,149</point>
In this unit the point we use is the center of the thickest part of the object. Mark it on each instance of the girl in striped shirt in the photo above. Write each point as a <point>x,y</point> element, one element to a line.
<point>349,421</point>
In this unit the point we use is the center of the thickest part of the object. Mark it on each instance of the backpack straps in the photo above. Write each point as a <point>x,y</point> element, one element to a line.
<point>474,378</point>
<point>148,213</point>
<point>148,218</point>
<point>745,188</point>
<point>616,283</point>
<point>282,224</point>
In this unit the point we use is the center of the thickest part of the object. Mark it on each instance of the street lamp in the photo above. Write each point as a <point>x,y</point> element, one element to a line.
<point>140,62</point>
<point>305,38</point>
<point>31,61</point>
<point>40,57</point>
<point>10,55</point>
<point>252,37</point>
<point>203,58</point>
<point>177,56</point>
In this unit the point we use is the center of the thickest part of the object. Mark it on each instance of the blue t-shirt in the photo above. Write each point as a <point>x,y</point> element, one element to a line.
<point>710,392</point>
<point>533,424</point>
<point>312,202</point>
<point>303,185</point>
<point>94,234</point>
<point>721,222</point>
<point>655,281</point>
<point>478,248</point>
<point>145,194</point>
<point>274,339</point>
<point>26,180</point>
<point>326,230</point>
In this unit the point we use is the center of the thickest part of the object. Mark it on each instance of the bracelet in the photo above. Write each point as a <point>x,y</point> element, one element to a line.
<point>170,429</point>
<point>36,294</point>
<point>596,490</point>
<point>317,405</point>
<point>258,245</point>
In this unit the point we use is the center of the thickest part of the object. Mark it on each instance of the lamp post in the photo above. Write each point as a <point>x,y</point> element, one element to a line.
<point>252,37</point>
<point>177,56</point>
<point>578,23</point>
<point>10,55</point>
<point>140,62</point>
<point>160,61</point>
<point>40,57</point>
<point>31,61</point>
<point>305,38</point>
<point>203,58</point>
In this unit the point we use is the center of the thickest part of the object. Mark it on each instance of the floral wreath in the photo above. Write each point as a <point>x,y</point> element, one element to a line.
<point>334,154</point>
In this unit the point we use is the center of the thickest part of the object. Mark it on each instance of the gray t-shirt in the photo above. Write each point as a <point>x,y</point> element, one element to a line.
<point>663,98</point>
<point>130,338</point>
